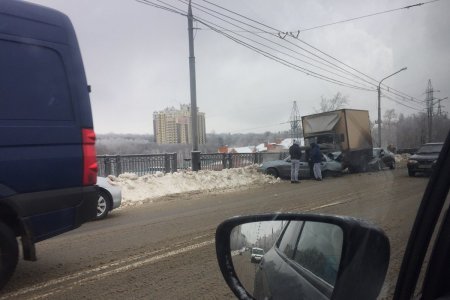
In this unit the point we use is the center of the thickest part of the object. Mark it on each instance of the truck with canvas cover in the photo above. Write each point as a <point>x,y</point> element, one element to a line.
<point>346,131</point>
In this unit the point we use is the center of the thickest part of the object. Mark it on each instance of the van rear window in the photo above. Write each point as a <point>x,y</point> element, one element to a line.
<point>33,83</point>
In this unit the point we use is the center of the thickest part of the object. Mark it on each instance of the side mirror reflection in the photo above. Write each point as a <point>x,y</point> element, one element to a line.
<point>302,256</point>
<point>262,251</point>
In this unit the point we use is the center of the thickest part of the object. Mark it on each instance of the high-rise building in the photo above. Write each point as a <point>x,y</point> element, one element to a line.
<point>174,126</point>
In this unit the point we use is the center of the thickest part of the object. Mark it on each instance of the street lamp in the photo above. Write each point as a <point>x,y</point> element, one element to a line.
<point>379,104</point>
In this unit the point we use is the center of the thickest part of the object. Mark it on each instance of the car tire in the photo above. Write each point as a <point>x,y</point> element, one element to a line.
<point>272,171</point>
<point>103,204</point>
<point>411,173</point>
<point>392,166</point>
<point>9,253</point>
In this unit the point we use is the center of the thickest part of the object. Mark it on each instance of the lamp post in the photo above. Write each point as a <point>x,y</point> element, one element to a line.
<point>195,154</point>
<point>379,104</point>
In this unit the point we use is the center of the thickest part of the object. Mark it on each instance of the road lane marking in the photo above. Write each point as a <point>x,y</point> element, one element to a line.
<point>40,286</point>
<point>115,265</point>
<point>328,205</point>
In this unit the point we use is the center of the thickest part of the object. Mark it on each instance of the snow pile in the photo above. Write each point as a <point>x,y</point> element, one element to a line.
<point>402,157</point>
<point>141,189</point>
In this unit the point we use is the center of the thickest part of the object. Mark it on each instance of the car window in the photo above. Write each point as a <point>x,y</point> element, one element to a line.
<point>289,238</point>
<point>319,249</point>
<point>258,251</point>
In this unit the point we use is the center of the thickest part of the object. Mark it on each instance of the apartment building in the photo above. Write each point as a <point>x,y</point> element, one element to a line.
<point>173,126</point>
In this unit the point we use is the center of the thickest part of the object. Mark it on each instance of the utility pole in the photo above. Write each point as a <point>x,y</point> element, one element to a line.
<point>295,122</point>
<point>439,110</point>
<point>430,109</point>
<point>379,104</point>
<point>195,153</point>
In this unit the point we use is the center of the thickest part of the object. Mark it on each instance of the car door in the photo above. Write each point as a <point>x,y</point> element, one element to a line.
<point>303,263</point>
<point>285,167</point>
<point>304,171</point>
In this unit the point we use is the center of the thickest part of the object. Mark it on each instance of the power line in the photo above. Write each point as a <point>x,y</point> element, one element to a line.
<point>366,16</point>
<point>297,38</point>
<point>347,20</point>
<point>152,4</point>
<point>282,61</point>
<point>224,29</point>
<point>387,88</point>
<point>401,103</point>
<point>284,53</point>
<point>177,10</point>
<point>197,6</point>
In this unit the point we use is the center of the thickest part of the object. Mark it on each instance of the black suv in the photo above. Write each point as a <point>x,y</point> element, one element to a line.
<point>424,160</point>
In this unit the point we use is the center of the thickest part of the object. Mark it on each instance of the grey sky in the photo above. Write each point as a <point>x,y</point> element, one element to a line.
<point>136,59</point>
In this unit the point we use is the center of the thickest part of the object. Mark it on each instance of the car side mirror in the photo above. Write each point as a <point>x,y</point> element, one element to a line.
<point>282,255</point>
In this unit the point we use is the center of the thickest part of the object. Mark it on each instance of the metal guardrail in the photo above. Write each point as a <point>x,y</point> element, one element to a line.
<point>138,164</point>
<point>142,164</point>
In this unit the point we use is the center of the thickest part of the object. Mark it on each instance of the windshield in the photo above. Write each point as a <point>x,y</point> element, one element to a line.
<point>194,116</point>
<point>430,149</point>
<point>258,251</point>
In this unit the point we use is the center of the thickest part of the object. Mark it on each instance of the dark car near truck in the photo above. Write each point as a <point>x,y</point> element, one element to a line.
<point>47,147</point>
<point>424,160</point>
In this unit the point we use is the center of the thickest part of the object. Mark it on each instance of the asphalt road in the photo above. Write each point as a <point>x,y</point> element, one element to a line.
<point>165,249</point>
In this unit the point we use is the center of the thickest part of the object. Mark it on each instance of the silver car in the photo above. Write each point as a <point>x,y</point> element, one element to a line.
<point>282,168</point>
<point>109,197</point>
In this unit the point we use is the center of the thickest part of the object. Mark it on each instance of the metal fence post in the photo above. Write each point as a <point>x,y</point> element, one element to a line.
<point>107,164</point>
<point>230,160</point>
<point>195,161</point>
<point>166,163</point>
<point>174,163</point>
<point>224,160</point>
<point>118,168</point>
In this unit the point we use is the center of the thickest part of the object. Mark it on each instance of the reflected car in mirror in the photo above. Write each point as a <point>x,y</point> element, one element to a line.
<point>302,256</point>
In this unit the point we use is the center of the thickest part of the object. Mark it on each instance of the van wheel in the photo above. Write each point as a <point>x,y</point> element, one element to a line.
<point>9,254</point>
<point>103,204</point>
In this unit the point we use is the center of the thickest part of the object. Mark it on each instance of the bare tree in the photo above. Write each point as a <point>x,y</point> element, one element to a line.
<point>390,121</point>
<point>337,102</point>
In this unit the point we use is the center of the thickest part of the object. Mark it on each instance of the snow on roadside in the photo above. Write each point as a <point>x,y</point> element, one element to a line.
<point>137,190</point>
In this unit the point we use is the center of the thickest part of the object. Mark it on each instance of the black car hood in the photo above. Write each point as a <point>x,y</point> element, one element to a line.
<point>428,156</point>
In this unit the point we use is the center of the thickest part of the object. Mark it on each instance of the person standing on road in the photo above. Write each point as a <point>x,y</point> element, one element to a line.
<point>296,154</point>
<point>316,158</point>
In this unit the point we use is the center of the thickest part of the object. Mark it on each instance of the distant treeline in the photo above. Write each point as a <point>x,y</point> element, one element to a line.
<point>113,143</point>
<point>412,131</point>
<point>398,130</point>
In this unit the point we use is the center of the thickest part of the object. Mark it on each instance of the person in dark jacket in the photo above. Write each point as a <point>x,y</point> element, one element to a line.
<point>316,158</point>
<point>295,153</point>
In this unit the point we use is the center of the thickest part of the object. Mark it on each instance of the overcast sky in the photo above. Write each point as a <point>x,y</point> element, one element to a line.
<point>136,59</point>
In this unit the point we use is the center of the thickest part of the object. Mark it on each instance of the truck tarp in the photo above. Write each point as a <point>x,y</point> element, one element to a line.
<point>320,123</point>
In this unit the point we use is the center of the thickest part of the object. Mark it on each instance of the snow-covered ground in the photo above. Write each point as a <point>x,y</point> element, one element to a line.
<point>141,189</point>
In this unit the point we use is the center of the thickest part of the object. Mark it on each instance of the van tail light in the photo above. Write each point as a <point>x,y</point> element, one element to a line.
<point>90,167</point>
